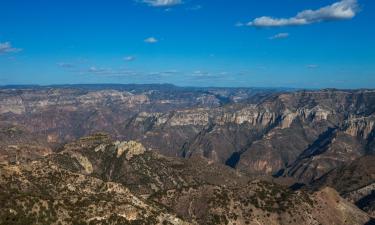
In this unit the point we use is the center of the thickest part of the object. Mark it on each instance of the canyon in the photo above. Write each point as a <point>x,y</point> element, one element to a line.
<point>277,153</point>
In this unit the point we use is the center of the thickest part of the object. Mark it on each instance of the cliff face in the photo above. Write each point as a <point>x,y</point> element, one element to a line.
<point>361,127</point>
<point>336,147</point>
<point>305,133</point>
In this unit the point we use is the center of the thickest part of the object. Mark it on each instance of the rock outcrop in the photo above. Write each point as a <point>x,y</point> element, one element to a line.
<point>130,148</point>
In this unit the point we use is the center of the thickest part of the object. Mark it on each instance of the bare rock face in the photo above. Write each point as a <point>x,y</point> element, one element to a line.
<point>83,162</point>
<point>185,118</point>
<point>360,127</point>
<point>12,104</point>
<point>130,148</point>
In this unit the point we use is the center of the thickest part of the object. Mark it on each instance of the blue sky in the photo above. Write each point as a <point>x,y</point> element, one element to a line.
<point>268,43</point>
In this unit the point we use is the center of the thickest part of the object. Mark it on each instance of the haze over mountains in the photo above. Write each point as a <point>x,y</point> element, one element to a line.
<point>149,154</point>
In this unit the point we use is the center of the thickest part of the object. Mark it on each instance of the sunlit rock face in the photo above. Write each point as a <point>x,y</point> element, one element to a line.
<point>12,104</point>
<point>361,127</point>
<point>130,148</point>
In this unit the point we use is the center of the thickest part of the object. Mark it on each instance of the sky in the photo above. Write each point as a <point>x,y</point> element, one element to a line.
<point>231,43</point>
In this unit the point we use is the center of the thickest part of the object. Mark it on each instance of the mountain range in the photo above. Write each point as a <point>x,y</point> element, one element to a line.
<point>161,154</point>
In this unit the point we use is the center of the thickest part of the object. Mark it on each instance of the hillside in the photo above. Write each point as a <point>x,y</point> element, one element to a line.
<point>99,181</point>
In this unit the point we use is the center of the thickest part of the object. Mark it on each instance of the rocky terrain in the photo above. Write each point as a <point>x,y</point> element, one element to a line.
<point>43,193</point>
<point>99,181</point>
<point>197,146</point>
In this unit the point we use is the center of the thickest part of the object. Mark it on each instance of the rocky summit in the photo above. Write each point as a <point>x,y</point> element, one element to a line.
<point>161,154</point>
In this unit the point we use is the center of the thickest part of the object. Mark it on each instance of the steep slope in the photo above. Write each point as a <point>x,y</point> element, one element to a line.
<point>355,182</point>
<point>260,202</point>
<point>335,148</point>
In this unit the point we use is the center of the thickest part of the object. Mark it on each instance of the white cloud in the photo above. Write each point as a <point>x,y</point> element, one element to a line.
<point>342,10</point>
<point>162,3</point>
<point>265,21</point>
<point>129,58</point>
<point>279,36</point>
<point>6,47</point>
<point>151,40</point>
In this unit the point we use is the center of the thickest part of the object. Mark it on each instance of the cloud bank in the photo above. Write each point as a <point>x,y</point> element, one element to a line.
<point>342,10</point>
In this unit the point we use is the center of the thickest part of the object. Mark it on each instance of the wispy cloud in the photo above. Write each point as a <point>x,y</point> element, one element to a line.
<point>279,36</point>
<point>151,40</point>
<point>129,58</point>
<point>108,72</point>
<point>7,47</point>
<point>126,73</point>
<point>342,10</point>
<point>200,73</point>
<point>94,69</point>
<point>162,3</point>
<point>65,65</point>
<point>239,24</point>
